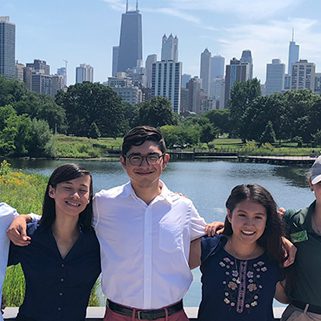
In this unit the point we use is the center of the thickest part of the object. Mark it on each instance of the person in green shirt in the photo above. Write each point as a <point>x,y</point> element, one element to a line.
<point>303,227</point>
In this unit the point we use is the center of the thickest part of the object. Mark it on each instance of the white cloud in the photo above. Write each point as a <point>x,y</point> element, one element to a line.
<point>117,5</point>
<point>244,9</point>
<point>175,13</point>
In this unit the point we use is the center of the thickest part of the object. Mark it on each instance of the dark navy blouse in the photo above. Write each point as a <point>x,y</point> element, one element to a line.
<point>57,289</point>
<point>236,290</point>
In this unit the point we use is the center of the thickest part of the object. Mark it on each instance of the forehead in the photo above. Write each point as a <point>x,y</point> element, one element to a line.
<point>146,148</point>
<point>83,180</point>
<point>250,206</point>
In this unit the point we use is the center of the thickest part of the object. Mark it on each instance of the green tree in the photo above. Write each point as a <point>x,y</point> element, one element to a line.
<point>299,104</point>
<point>242,95</point>
<point>219,118</point>
<point>11,91</point>
<point>157,112</point>
<point>41,140</point>
<point>7,129</point>
<point>208,133</point>
<point>94,131</point>
<point>268,135</point>
<point>88,103</point>
<point>181,136</point>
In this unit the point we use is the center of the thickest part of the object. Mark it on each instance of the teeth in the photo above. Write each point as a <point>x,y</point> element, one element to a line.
<point>248,232</point>
<point>73,204</point>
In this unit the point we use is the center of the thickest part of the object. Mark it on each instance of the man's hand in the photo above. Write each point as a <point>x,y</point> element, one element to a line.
<point>17,231</point>
<point>214,228</point>
<point>290,250</point>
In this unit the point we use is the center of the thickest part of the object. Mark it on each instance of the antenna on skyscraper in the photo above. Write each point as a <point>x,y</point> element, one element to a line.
<point>126,5</point>
<point>292,34</point>
<point>136,5</point>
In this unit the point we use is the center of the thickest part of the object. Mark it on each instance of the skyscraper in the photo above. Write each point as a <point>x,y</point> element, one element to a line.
<point>236,71</point>
<point>247,58</point>
<point>293,54</point>
<point>274,77</point>
<point>7,48</point>
<point>63,73</point>
<point>217,67</point>
<point>303,75</point>
<point>166,81</point>
<point>169,48</point>
<point>115,60</point>
<point>130,42</point>
<point>205,71</point>
<point>148,69</point>
<point>84,73</point>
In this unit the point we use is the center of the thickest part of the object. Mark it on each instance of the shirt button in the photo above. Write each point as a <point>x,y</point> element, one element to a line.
<point>59,308</point>
<point>62,279</point>
<point>62,265</point>
<point>60,293</point>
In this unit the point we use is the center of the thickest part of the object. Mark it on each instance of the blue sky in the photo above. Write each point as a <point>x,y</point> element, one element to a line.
<point>84,31</point>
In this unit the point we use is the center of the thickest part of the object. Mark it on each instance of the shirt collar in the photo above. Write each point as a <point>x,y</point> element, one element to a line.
<point>165,195</point>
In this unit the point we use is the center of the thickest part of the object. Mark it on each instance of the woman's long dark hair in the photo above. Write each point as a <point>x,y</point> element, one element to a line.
<point>63,173</point>
<point>270,240</point>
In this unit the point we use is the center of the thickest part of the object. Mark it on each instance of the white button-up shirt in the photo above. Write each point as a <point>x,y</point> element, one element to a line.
<point>7,213</point>
<point>145,248</point>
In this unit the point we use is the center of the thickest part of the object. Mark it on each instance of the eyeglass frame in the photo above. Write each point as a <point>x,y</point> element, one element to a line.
<point>144,157</point>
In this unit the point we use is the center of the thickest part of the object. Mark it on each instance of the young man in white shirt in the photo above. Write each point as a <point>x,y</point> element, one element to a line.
<point>145,231</point>
<point>7,214</point>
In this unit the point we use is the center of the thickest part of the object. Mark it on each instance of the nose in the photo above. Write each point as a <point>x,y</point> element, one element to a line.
<point>144,159</point>
<point>75,194</point>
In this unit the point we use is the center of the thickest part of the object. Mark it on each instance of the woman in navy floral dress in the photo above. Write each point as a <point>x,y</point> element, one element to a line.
<point>242,269</point>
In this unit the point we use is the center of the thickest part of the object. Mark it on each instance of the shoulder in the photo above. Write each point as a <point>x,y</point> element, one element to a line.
<point>210,245</point>
<point>296,217</point>
<point>110,193</point>
<point>7,213</point>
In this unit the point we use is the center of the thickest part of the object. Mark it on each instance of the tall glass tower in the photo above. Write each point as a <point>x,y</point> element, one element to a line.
<point>7,48</point>
<point>130,42</point>
<point>293,54</point>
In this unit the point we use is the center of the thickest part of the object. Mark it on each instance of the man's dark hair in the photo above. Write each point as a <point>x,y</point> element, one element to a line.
<point>139,135</point>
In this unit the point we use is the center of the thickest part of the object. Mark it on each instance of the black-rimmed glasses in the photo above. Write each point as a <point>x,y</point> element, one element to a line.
<point>137,159</point>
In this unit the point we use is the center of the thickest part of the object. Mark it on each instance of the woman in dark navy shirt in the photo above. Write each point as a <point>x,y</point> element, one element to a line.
<point>241,270</point>
<point>62,262</point>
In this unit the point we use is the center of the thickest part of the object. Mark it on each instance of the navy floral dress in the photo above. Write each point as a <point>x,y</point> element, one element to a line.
<point>235,289</point>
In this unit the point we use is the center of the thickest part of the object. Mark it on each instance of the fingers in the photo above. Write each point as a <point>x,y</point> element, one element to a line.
<point>18,237</point>
<point>214,228</point>
<point>17,231</point>
<point>290,252</point>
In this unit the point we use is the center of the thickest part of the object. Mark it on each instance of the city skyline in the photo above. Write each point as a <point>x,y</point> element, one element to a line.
<point>84,32</point>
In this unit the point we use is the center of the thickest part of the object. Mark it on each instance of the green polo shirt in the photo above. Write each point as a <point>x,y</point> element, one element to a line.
<point>305,281</point>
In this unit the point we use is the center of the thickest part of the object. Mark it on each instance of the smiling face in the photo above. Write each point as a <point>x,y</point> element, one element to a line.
<point>145,175</point>
<point>248,221</point>
<point>71,197</point>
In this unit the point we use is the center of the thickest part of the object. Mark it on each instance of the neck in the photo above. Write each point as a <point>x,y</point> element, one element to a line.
<point>65,228</point>
<point>147,193</point>
<point>242,251</point>
<point>317,211</point>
